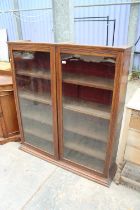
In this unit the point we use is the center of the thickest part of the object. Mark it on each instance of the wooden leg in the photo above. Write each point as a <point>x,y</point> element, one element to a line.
<point>122,144</point>
<point>118,173</point>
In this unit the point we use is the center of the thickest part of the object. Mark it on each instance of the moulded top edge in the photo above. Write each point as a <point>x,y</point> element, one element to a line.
<point>67,44</point>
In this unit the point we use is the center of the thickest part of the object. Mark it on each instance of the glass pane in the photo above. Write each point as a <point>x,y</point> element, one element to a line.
<point>87,95</point>
<point>34,89</point>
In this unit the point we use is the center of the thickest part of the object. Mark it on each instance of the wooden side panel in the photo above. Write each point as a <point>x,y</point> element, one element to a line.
<point>132,154</point>
<point>9,113</point>
<point>110,153</point>
<point>1,132</point>
<point>121,101</point>
<point>2,122</point>
<point>133,138</point>
<point>122,68</point>
<point>124,135</point>
<point>135,120</point>
<point>1,118</point>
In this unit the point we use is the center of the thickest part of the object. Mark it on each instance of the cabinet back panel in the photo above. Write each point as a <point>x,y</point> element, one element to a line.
<point>87,93</point>
<point>77,65</point>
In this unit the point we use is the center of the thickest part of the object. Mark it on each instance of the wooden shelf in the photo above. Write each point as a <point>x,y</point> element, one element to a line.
<point>84,160</point>
<point>90,81</point>
<point>77,79</point>
<point>86,146</point>
<point>100,136</point>
<point>35,74</point>
<point>89,108</point>
<point>41,113</point>
<point>33,116</point>
<point>92,160</point>
<point>38,129</point>
<point>74,141</point>
<point>79,143</point>
<point>81,106</point>
<point>37,97</point>
<point>38,142</point>
<point>39,135</point>
<point>85,150</point>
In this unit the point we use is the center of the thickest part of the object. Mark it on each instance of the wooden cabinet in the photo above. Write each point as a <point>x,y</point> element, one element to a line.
<point>129,149</point>
<point>70,101</point>
<point>9,130</point>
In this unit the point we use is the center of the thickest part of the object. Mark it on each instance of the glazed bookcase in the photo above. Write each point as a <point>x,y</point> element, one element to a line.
<point>69,100</point>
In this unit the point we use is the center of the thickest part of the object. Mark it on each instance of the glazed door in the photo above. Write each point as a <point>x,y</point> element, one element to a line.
<point>35,80</point>
<point>85,90</point>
